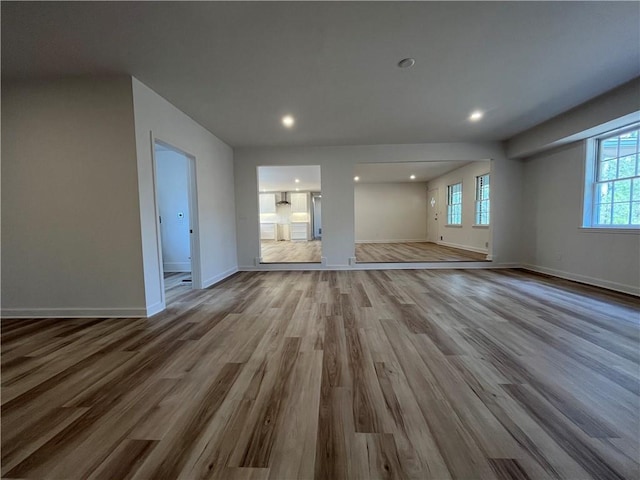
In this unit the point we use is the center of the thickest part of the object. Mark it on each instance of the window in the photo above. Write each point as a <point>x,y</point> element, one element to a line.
<point>454,204</point>
<point>614,182</point>
<point>482,199</point>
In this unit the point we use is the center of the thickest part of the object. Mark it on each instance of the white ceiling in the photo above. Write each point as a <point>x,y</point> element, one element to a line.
<point>283,179</point>
<point>238,67</point>
<point>401,172</point>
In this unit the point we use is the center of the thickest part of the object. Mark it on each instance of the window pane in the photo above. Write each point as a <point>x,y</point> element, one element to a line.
<point>628,143</point>
<point>603,214</point>
<point>622,191</point>
<point>621,213</point>
<point>608,170</point>
<point>615,190</point>
<point>604,193</point>
<point>609,148</point>
<point>635,213</point>
<point>636,189</point>
<point>627,166</point>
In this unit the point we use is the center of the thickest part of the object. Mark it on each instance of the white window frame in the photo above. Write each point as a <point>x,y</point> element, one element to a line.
<point>451,206</point>
<point>479,201</point>
<point>592,153</point>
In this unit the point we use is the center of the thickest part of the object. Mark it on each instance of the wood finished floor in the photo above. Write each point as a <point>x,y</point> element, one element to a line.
<point>291,252</point>
<point>333,375</point>
<point>413,252</point>
<point>172,280</point>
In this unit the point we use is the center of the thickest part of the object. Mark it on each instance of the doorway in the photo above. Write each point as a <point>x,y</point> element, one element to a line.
<point>316,213</point>
<point>400,212</point>
<point>432,216</point>
<point>288,221</point>
<point>175,203</point>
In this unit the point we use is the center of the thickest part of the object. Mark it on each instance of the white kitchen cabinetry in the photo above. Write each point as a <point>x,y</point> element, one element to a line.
<point>299,231</point>
<point>299,202</point>
<point>267,231</point>
<point>267,203</point>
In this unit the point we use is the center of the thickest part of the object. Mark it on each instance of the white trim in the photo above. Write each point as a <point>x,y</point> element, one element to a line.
<point>431,266</point>
<point>627,230</point>
<point>157,308</point>
<point>73,312</point>
<point>597,282</point>
<point>265,267</point>
<point>378,266</point>
<point>463,247</point>
<point>453,225</point>
<point>156,207</point>
<point>403,240</point>
<point>194,236</point>
<point>194,218</point>
<point>177,267</point>
<point>218,278</point>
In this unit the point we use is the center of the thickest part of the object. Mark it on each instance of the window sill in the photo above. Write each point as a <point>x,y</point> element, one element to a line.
<point>453,225</point>
<point>627,230</point>
<point>479,226</point>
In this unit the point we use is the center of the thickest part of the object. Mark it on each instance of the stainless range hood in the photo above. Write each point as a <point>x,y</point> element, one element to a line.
<point>283,199</point>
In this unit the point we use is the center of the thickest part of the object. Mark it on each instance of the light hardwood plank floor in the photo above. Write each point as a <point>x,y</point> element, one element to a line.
<point>175,284</point>
<point>172,279</point>
<point>333,375</point>
<point>291,252</point>
<point>414,252</point>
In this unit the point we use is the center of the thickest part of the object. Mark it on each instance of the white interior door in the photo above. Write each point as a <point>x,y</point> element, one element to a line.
<point>432,216</point>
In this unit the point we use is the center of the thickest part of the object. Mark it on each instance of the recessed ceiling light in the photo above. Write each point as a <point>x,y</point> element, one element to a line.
<point>356,178</point>
<point>412,177</point>
<point>297,180</point>
<point>407,63</point>
<point>476,115</point>
<point>297,189</point>
<point>288,121</point>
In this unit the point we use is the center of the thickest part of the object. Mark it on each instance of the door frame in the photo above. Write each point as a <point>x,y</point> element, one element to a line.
<point>314,197</point>
<point>430,235</point>
<point>194,237</point>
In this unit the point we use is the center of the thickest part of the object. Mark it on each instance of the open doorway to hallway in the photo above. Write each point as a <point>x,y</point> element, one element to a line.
<point>175,217</point>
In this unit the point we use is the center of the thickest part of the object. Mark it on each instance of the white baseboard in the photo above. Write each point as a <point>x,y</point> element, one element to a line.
<point>266,267</point>
<point>177,267</point>
<point>596,282</point>
<point>157,308</point>
<point>219,277</point>
<point>405,240</point>
<point>73,313</point>
<point>463,247</point>
<point>279,267</point>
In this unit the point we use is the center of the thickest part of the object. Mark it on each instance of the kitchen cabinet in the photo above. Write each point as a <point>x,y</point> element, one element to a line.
<point>299,231</point>
<point>299,202</point>
<point>267,231</point>
<point>267,203</point>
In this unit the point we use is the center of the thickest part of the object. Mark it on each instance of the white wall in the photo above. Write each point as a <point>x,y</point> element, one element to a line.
<point>555,243</point>
<point>70,217</point>
<point>390,212</point>
<point>155,117</point>
<point>467,236</point>
<point>337,164</point>
<point>173,205</point>
<point>619,106</point>
<point>553,183</point>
